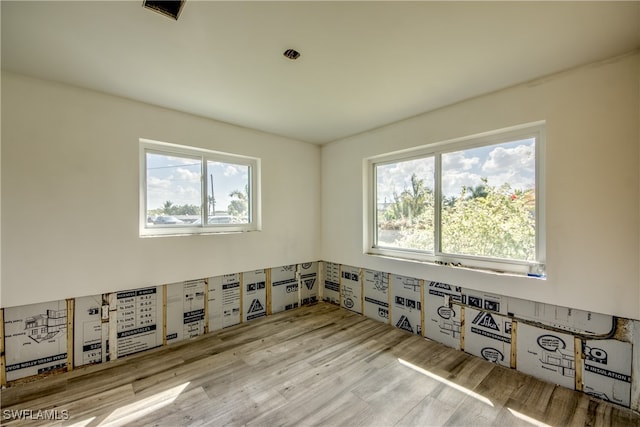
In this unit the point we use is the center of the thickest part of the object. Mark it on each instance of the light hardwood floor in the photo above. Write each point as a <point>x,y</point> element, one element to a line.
<point>317,365</point>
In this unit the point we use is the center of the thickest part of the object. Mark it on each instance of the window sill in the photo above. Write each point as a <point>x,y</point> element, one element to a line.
<point>486,270</point>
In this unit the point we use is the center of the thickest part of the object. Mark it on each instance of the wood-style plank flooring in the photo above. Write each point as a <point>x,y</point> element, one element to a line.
<point>318,365</point>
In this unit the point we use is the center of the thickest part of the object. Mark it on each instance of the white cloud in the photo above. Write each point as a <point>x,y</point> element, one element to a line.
<point>187,175</point>
<point>231,170</point>
<point>458,160</point>
<point>501,160</point>
<point>453,181</point>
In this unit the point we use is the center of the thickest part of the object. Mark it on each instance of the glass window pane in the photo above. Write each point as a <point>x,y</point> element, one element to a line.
<point>228,198</point>
<point>174,190</point>
<point>488,201</point>
<point>404,204</point>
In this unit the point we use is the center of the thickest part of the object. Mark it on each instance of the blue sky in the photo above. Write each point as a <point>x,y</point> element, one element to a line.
<point>512,162</point>
<point>178,179</point>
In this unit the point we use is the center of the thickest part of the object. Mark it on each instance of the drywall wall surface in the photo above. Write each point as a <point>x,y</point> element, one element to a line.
<point>592,186</point>
<point>70,196</point>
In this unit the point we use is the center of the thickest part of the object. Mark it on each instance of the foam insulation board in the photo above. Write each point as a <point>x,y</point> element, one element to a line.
<point>185,310</point>
<point>606,370</point>
<point>308,282</point>
<point>331,282</point>
<point>284,288</point>
<point>90,333</point>
<point>351,288</point>
<point>406,306</point>
<point>223,301</point>
<point>443,321</point>
<point>139,319</point>
<point>568,319</point>
<point>635,367</point>
<point>35,339</point>
<point>488,335</point>
<point>484,301</point>
<point>376,295</point>
<point>546,354</point>
<point>254,296</point>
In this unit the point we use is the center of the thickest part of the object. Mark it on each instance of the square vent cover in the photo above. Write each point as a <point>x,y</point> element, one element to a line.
<point>168,8</point>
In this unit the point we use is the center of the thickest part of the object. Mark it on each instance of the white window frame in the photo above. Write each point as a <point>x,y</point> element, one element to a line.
<point>532,268</point>
<point>165,148</point>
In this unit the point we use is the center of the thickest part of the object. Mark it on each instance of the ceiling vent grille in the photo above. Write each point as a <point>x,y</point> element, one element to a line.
<point>168,8</point>
<point>291,54</point>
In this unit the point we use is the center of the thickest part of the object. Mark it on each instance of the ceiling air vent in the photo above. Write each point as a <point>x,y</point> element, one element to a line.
<point>167,8</point>
<point>291,54</point>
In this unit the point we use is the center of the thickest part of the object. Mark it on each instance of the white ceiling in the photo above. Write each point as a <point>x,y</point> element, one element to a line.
<point>363,64</point>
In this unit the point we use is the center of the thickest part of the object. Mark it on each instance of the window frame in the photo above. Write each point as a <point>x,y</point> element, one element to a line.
<point>436,150</point>
<point>203,155</point>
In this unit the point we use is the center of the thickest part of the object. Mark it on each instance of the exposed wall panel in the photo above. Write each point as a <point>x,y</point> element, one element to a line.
<point>308,282</point>
<point>351,288</point>
<point>224,301</point>
<point>547,355</point>
<point>443,321</point>
<point>90,334</point>
<point>284,288</point>
<point>376,295</point>
<point>331,282</point>
<point>488,335</point>
<point>254,297</point>
<point>185,310</point>
<point>35,339</point>
<point>607,370</point>
<point>139,319</point>
<point>406,305</point>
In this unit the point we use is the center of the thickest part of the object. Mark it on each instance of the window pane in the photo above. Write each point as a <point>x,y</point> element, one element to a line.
<point>488,201</point>
<point>174,190</point>
<point>229,198</point>
<point>405,202</point>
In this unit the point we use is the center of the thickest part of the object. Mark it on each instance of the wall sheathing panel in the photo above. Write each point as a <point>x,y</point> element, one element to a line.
<point>573,348</point>
<point>35,339</point>
<point>331,282</point>
<point>488,335</point>
<point>223,301</point>
<point>545,354</point>
<point>308,272</point>
<point>351,288</point>
<point>139,319</point>
<point>443,322</point>
<point>406,303</point>
<point>284,288</point>
<point>376,295</point>
<point>185,317</point>
<point>90,333</point>
<point>254,294</point>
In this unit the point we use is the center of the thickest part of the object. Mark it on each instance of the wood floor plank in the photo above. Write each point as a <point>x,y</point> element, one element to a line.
<point>314,366</point>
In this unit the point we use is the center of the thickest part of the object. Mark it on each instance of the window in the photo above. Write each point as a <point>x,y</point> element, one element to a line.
<point>185,190</point>
<point>474,202</point>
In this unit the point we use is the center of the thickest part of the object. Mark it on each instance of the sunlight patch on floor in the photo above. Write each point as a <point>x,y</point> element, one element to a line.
<point>528,419</point>
<point>446,382</point>
<point>140,408</point>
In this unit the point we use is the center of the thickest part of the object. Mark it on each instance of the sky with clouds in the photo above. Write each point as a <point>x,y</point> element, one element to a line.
<point>511,162</point>
<point>178,179</point>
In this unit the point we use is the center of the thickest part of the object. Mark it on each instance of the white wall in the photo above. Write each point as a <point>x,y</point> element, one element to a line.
<point>592,175</point>
<point>70,196</point>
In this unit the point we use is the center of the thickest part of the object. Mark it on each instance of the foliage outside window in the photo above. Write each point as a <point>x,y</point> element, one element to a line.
<point>475,202</point>
<point>185,190</point>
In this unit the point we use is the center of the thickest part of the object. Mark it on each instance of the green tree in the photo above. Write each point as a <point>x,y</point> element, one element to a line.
<point>500,223</point>
<point>482,221</point>
<point>239,204</point>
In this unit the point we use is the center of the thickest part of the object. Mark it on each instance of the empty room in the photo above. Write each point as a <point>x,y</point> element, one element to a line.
<point>323,213</point>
